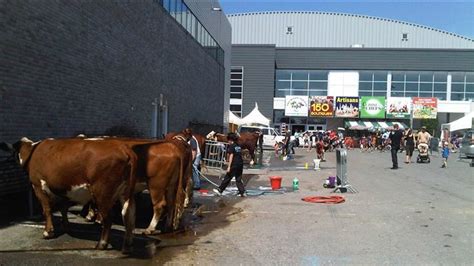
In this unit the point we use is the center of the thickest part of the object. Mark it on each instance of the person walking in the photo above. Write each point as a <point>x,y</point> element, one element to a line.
<point>423,140</point>
<point>395,140</point>
<point>410,145</point>
<point>445,154</point>
<point>196,159</point>
<point>235,166</point>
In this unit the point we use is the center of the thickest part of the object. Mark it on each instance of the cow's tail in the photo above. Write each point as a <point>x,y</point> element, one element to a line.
<point>179,202</point>
<point>132,178</point>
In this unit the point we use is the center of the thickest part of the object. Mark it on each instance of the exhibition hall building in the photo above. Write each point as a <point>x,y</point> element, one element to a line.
<point>319,71</point>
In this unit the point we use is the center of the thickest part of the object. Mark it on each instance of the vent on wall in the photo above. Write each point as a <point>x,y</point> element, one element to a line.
<point>289,30</point>
<point>404,37</point>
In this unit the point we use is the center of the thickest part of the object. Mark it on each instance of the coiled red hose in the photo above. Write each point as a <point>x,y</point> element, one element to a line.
<point>324,199</point>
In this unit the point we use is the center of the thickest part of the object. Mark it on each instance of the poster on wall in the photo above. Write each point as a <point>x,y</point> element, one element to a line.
<point>372,107</point>
<point>425,108</point>
<point>321,106</point>
<point>347,107</point>
<point>398,107</point>
<point>296,105</point>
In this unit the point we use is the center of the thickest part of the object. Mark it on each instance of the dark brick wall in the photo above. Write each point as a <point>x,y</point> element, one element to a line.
<point>89,66</point>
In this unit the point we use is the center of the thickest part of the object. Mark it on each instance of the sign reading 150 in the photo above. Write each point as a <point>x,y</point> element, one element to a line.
<point>317,107</point>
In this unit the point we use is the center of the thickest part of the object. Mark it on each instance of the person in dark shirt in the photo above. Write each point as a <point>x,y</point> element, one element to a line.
<point>235,166</point>
<point>395,140</point>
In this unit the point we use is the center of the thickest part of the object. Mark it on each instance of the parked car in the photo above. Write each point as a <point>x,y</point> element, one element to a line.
<point>467,144</point>
<point>270,135</point>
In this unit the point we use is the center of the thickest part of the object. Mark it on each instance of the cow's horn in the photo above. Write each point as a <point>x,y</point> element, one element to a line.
<point>25,139</point>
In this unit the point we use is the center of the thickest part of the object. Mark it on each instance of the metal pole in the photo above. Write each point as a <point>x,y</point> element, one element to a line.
<point>154,122</point>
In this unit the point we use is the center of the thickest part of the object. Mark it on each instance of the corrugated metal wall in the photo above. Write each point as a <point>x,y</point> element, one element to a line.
<point>259,77</point>
<point>375,59</point>
<point>320,29</point>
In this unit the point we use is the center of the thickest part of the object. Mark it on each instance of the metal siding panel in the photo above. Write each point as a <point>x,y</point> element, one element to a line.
<point>258,63</point>
<point>338,30</point>
<point>347,59</point>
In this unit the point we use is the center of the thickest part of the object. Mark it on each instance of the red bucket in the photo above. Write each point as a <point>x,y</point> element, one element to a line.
<point>275,182</point>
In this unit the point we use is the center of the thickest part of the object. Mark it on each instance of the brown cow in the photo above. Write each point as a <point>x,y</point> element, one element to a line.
<point>181,139</point>
<point>161,165</point>
<point>79,170</point>
<point>247,140</point>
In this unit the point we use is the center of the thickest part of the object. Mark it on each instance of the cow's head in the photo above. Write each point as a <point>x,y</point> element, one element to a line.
<point>211,135</point>
<point>187,133</point>
<point>21,149</point>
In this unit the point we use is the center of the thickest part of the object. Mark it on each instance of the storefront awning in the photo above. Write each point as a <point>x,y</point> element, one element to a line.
<point>372,125</point>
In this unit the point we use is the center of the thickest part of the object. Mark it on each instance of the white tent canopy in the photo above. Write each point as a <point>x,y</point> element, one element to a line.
<point>255,117</point>
<point>462,123</point>
<point>233,119</point>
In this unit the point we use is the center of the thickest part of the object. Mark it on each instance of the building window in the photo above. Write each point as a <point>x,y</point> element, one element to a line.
<point>301,82</point>
<point>189,22</point>
<point>462,86</point>
<point>236,89</point>
<point>373,83</point>
<point>419,84</point>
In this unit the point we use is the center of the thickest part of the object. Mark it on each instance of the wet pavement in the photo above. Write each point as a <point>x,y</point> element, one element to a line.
<point>418,214</point>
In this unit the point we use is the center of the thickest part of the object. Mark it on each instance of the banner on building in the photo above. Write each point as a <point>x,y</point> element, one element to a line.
<point>398,107</point>
<point>296,105</point>
<point>425,108</point>
<point>321,106</point>
<point>372,107</point>
<point>347,107</point>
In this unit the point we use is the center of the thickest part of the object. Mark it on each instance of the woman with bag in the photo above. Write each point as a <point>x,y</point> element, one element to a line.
<point>409,145</point>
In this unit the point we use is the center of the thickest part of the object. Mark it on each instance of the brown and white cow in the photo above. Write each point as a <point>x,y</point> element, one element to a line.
<point>247,140</point>
<point>161,167</point>
<point>79,170</point>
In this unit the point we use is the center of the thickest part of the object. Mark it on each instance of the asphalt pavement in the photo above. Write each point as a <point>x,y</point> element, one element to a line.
<point>418,214</point>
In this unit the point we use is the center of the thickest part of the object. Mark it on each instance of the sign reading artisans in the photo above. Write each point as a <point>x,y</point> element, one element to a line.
<point>321,106</point>
<point>372,107</point>
<point>347,107</point>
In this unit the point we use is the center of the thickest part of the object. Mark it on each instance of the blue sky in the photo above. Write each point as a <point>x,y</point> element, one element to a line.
<point>453,16</point>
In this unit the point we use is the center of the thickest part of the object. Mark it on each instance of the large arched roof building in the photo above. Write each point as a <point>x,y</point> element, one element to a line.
<point>280,54</point>
<point>323,29</point>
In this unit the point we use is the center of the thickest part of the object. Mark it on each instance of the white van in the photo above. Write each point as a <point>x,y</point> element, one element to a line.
<point>270,135</point>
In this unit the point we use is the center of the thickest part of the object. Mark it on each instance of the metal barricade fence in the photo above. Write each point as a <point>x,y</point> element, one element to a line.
<point>341,169</point>
<point>215,155</point>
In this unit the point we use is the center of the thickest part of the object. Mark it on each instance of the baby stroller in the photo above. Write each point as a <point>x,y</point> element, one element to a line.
<point>423,156</point>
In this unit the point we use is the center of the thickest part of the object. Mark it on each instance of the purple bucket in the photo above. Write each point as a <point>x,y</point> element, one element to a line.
<point>332,181</point>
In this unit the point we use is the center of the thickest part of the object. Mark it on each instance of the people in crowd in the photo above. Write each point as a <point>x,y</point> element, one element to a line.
<point>305,139</point>
<point>297,136</point>
<point>196,159</point>
<point>445,154</point>
<point>409,139</point>
<point>423,140</point>
<point>235,166</point>
<point>395,139</point>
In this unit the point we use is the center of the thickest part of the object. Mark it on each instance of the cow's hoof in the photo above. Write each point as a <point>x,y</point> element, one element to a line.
<point>127,249</point>
<point>48,235</point>
<point>102,245</point>
<point>149,232</point>
<point>65,227</point>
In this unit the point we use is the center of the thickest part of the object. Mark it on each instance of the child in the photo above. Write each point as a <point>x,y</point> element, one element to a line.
<point>235,166</point>
<point>277,148</point>
<point>445,154</point>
